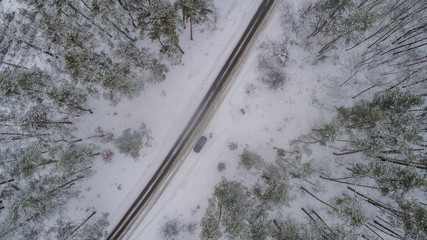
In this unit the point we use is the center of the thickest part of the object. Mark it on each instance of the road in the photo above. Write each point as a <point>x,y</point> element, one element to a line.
<point>169,166</point>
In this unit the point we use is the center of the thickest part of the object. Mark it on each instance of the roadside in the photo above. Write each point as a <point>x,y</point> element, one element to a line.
<point>186,196</point>
<point>206,109</point>
<point>165,108</point>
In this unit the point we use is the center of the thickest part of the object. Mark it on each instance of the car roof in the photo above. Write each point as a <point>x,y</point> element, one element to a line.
<point>200,143</point>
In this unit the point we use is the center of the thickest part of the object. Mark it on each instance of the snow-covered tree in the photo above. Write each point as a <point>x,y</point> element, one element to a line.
<point>350,210</point>
<point>388,132</point>
<point>131,142</point>
<point>414,219</point>
<point>250,160</point>
<point>288,229</point>
<point>114,19</point>
<point>41,160</point>
<point>272,61</point>
<point>235,213</point>
<point>160,21</point>
<point>101,75</point>
<point>142,59</point>
<point>210,222</point>
<point>90,228</point>
<point>196,11</point>
<point>275,187</point>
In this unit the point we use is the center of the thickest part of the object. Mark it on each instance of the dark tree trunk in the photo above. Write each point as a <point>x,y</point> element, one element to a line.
<point>176,43</point>
<point>8,181</point>
<point>78,227</point>
<point>89,19</point>
<point>14,65</point>
<point>191,24</point>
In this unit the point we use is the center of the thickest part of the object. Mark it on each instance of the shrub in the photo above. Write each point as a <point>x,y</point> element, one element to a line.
<point>271,64</point>
<point>232,146</point>
<point>107,155</point>
<point>171,229</point>
<point>131,142</point>
<point>221,166</point>
<point>249,160</point>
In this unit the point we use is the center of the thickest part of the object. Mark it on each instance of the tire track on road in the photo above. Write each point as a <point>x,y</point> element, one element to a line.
<point>164,173</point>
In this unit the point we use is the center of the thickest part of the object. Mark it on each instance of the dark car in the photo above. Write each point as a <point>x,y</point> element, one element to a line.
<point>200,144</point>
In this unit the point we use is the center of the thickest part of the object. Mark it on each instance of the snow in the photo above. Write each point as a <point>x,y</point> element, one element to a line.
<point>164,114</point>
<point>272,119</point>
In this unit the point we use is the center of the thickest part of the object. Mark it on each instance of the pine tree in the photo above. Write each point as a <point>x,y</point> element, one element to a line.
<point>275,188</point>
<point>89,228</point>
<point>288,229</point>
<point>210,222</point>
<point>235,213</point>
<point>131,142</point>
<point>40,157</point>
<point>195,10</point>
<point>250,160</point>
<point>113,18</point>
<point>100,75</point>
<point>160,20</point>
<point>415,219</point>
<point>140,58</point>
<point>384,125</point>
<point>350,210</point>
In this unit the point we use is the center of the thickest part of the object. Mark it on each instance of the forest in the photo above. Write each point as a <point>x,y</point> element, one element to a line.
<point>373,147</point>
<point>55,56</point>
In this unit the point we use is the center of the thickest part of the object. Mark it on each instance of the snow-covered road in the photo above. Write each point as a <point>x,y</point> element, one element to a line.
<point>194,128</point>
<point>117,184</point>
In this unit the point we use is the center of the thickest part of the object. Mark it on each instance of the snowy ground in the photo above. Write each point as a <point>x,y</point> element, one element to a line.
<point>116,185</point>
<point>272,119</point>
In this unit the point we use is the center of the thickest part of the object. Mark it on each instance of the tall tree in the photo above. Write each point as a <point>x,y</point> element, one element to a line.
<point>41,160</point>
<point>101,75</point>
<point>142,59</point>
<point>389,133</point>
<point>195,10</point>
<point>161,22</point>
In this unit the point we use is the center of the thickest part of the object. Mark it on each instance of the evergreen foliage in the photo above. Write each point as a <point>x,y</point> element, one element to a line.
<point>350,210</point>
<point>236,206</point>
<point>54,55</point>
<point>40,154</point>
<point>275,187</point>
<point>142,59</point>
<point>91,229</point>
<point>196,11</point>
<point>386,131</point>
<point>250,160</point>
<point>221,166</point>
<point>94,69</point>
<point>210,222</point>
<point>160,21</point>
<point>131,142</point>
<point>237,212</point>
<point>415,219</point>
